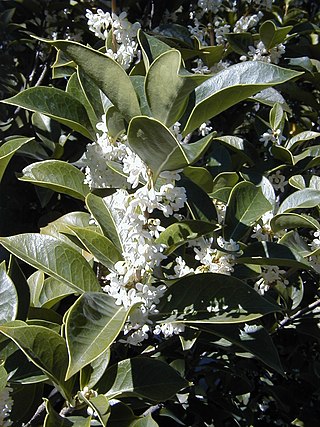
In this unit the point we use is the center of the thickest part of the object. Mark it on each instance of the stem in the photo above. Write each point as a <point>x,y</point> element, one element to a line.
<point>114,6</point>
<point>299,313</point>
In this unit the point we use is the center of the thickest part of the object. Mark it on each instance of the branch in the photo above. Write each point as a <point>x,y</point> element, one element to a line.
<point>288,320</point>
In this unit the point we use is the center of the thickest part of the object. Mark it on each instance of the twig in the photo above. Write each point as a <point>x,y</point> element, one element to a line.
<point>298,314</point>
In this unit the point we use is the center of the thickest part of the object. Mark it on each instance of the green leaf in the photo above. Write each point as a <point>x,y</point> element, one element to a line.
<point>292,220</point>
<point>245,207</point>
<point>269,253</point>
<point>239,146</point>
<point>53,419</point>
<point>98,245</point>
<point>8,149</point>
<point>151,47</point>
<point>295,243</point>
<point>251,338</point>
<point>240,42</point>
<point>181,232</point>
<point>55,258</point>
<point>143,377</point>
<point>271,35</point>
<point>100,406</point>
<point>46,349</point>
<point>212,298</point>
<point>56,104</point>
<point>115,122</point>
<point>93,95</point>
<point>91,374</point>
<point>26,400</point>
<point>8,297</point>
<point>200,176</point>
<point>159,149</point>
<point>92,325</point>
<point>53,291</point>
<point>198,202</point>
<point>58,176</point>
<point>103,212</point>
<point>299,138</point>
<point>301,199</point>
<point>297,181</point>
<point>35,282</point>
<point>22,288</point>
<point>276,116</point>
<point>103,71</point>
<point>138,83</point>
<point>231,86</point>
<point>269,97</point>
<point>168,100</point>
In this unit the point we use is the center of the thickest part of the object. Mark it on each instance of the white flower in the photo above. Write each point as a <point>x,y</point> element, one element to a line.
<point>278,181</point>
<point>205,129</point>
<point>262,232</point>
<point>200,68</point>
<point>316,241</point>
<point>6,403</point>
<point>220,32</point>
<point>210,5</point>
<point>259,52</point>
<point>247,22</point>
<point>271,275</point>
<point>169,329</point>
<point>273,136</point>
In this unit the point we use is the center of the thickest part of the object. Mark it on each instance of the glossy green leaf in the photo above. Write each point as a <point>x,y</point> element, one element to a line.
<point>168,100</point>
<point>272,35</point>
<point>181,232</point>
<point>8,149</point>
<point>301,199</point>
<point>100,406</point>
<point>58,176</point>
<point>143,377</point>
<point>54,258</point>
<point>104,213</point>
<point>151,47</point>
<point>231,86</point>
<point>276,116</point>
<point>200,176</point>
<point>297,181</point>
<point>98,245</point>
<point>295,243</point>
<point>92,325</point>
<point>56,104</point>
<point>115,122</point>
<point>159,149</point>
<point>212,298</point>
<point>91,374</point>
<point>8,297</point>
<point>245,207</point>
<point>269,253</point>
<point>301,137</point>
<point>240,42</point>
<point>93,95</point>
<point>53,419</point>
<point>51,358</point>
<point>282,154</point>
<point>35,282</point>
<point>104,71</point>
<point>239,146</point>
<point>53,291</point>
<point>18,278</point>
<point>269,97</point>
<point>138,83</point>
<point>251,338</point>
<point>200,205</point>
<point>147,421</point>
<point>293,220</point>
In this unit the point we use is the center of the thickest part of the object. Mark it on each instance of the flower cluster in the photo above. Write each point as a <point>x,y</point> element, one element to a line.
<point>5,407</point>
<point>122,32</point>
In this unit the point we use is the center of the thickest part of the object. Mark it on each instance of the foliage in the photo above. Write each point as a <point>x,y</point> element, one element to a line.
<point>160,234</point>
